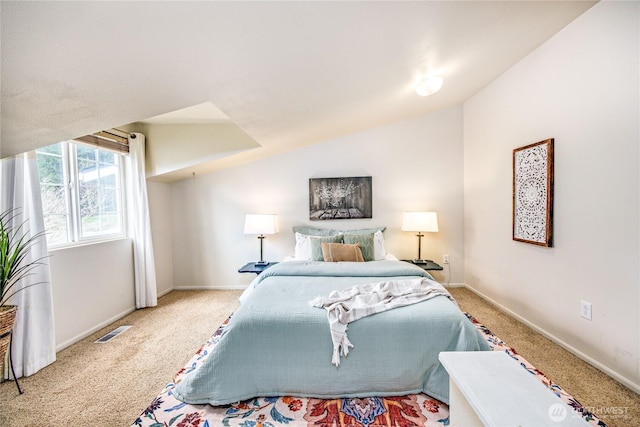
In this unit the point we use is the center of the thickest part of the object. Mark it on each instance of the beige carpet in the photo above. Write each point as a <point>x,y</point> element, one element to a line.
<point>111,384</point>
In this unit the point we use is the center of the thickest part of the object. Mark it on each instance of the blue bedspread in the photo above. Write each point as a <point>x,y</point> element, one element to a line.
<point>276,344</point>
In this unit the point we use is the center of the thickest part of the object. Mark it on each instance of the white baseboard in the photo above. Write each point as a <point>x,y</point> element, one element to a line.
<point>163,293</point>
<point>613,374</point>
<point>96,328</point>
<point>454,285</point>
<point>209,288</point>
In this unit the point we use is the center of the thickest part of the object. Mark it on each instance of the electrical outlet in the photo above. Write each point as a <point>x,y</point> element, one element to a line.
<point>585,310</point>
<point>445,259</point>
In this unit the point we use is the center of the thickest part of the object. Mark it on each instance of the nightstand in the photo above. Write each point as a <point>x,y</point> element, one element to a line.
<point>428,265</point>
<point>252,267</point>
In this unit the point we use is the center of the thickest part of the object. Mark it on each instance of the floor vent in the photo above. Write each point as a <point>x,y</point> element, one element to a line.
<point>111,335</point>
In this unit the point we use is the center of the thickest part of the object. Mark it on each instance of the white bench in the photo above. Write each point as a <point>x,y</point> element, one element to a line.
<point>489,388</point>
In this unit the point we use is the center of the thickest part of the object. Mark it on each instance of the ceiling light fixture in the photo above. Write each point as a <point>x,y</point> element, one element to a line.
<point>428,85</point>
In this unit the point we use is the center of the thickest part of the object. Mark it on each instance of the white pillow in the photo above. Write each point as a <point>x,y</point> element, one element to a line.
<point>303,247</point>
<point>379,252</point>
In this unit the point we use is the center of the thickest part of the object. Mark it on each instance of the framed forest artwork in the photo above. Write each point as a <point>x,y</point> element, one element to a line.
<point>533,193</point>
<point>340,198</point>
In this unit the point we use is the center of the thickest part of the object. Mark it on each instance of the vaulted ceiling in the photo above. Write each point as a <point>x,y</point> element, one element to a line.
<point>287,73</point>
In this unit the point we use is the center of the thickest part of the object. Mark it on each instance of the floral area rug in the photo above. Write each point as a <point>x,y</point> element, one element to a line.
<point>415,410</point>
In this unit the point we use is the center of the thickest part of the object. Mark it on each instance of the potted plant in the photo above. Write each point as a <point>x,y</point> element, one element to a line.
<point>15,246</point>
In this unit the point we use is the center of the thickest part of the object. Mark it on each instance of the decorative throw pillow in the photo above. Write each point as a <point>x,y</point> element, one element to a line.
<point>366,244</point>
<point>316,245</point>
<point>334,252</point>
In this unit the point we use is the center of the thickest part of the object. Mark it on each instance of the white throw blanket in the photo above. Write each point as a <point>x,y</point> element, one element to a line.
<point>351,304</point>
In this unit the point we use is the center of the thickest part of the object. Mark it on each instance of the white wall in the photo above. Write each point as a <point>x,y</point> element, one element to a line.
<point>415,165</point>
<point>161,230</point>
<point>92,287</point>
<point>581,88</point>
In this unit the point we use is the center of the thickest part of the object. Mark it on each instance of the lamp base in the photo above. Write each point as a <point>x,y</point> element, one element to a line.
<point>261,262</point>
<point>421,261</point>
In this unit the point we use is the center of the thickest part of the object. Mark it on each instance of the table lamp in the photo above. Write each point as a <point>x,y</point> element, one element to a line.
<point>420,222</point>
<point>261,224</point>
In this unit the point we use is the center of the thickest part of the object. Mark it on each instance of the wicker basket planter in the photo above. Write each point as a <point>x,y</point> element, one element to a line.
<point>7,317</point>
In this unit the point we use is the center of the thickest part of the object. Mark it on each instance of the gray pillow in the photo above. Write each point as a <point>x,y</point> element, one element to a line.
<point>366,244</point>
<point>364,230</point>
<point>316,245</point>
<point>310,231</point>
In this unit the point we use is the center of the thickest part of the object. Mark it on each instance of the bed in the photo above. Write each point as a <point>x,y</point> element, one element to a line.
<point>277,344</point>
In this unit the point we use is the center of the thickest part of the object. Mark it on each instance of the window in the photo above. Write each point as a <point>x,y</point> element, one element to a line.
<point>81,188</point>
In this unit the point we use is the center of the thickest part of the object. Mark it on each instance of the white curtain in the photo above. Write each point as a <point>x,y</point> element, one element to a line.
<point>140,224</point>
<point>33,345</point>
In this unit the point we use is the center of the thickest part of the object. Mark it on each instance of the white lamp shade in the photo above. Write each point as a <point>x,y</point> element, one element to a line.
<point>261,224</point>
<point>420,221</point>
